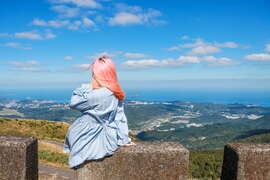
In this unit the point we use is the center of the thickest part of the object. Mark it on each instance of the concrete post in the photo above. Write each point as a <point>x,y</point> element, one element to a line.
<point>18,158</point>
<point>246,161</point>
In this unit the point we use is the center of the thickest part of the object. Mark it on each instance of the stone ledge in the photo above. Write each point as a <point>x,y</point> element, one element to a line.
<point>145,161</point>
<point>18,158</point>
<point>246,161</point>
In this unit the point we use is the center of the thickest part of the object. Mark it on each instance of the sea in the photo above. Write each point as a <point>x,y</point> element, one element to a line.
<point>219,96</point>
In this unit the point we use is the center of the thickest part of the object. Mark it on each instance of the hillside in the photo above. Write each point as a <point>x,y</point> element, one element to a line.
<point>203,163</point>
<point>210,136</point>
<point>42,129</point>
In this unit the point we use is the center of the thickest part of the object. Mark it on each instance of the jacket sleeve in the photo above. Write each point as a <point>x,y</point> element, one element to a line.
<point>122,126</point>
<point>82,99</point>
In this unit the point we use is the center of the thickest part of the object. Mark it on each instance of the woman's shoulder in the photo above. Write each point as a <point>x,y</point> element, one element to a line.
<point>87,87</point>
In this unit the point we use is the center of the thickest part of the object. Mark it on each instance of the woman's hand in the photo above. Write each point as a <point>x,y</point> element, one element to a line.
<point>130,144</point>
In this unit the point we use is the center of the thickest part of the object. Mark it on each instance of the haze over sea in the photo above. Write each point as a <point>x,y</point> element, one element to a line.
<point>219,96</point>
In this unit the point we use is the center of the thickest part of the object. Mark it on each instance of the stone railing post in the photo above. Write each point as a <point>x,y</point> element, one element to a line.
<point>246,161</point>
<point>18,158</point>
<point>145,161</point>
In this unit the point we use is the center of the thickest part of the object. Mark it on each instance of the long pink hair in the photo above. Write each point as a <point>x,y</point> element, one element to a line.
<point>104,75</point>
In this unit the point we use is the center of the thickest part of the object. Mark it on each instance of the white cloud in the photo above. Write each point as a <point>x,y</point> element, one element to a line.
<point>29,69</point>
<point>51,23</point>
<point>75,25</point>
<point>134,15</point>
<point>84,67</point>
<point>125,18</point>
<point>28,35</point>
<point>12,44</point>
<point>65,11</point>
<point>185,37</point>
<point>267,48</point>
<point>197,42</point>
<point>34,35</point>
<point>39,22</point>
<point>203,50</point>
<point>135,55</point>
<point>85,22</point>
<point>18,45</point>
<point>200,47</point>
<point>80,3</point>
<point>188,59</point>
<point>19,63</point>
<point>223,61</point>
<point>258,57</point>
<point>182,60</point>
<point>49,34</point>
<point>142,63</point>
<point>68,58</point>
<point>122,7</point>
<point>88,22</point>
<point>227,44</point>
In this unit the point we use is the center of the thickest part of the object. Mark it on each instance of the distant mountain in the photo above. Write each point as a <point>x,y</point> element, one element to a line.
<point>196,125</point>
<point>212,135</point>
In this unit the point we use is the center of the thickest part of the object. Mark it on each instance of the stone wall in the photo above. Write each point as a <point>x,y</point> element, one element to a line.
<point>18,158</point>
<point>246,161</point>
<point>145,161</point>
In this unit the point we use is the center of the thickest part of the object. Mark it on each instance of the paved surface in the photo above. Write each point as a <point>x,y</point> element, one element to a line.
<point>54,173</point>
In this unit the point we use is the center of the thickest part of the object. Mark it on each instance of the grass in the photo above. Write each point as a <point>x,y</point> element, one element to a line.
<point>41,129</point>
<point>208,162</point>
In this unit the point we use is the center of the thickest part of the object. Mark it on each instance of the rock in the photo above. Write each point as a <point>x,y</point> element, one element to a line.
<point>145,161</point>
<point>18,158</point>
<point>246,161</point>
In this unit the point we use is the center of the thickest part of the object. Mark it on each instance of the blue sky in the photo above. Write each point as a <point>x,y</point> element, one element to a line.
<point>155,44</point>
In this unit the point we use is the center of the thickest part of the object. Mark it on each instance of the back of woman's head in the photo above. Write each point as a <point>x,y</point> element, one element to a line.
<point>104,74</point>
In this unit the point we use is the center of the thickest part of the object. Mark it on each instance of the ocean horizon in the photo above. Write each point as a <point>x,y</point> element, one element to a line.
<point>219,96</point>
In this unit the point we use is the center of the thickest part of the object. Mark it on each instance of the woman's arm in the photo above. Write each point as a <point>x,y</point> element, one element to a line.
<point>82,99</point>
<point>121,122</point>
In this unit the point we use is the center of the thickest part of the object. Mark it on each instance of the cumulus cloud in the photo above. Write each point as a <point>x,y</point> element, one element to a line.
<point>24,66</point>
<point>34,35</point>
<point>28,35</point>
<point>203,50</point>
<point>79,3</point>
<point>125,18</point>
<point>223,61</point>
<point>200,47</point>
<point>134,15</point>
<point>29,69</point>
<point>185,37</point>
<point>18,45</point>
<point>50,23</point>
<point>21,63</point>
<point>65,11</point>
<point>197,42</point>
<point>135,55</point>
<point>85,22</point>
<point>227,44</point>
<point>122,7</point>
<point>267,48</point>
<point>180,61</point>
<point>83,67</point>
<point>258,57</point>
<point>68,58</point>
<point>142,63</point>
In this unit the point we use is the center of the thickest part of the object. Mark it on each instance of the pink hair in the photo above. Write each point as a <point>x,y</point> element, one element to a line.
<point>104,74</point>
